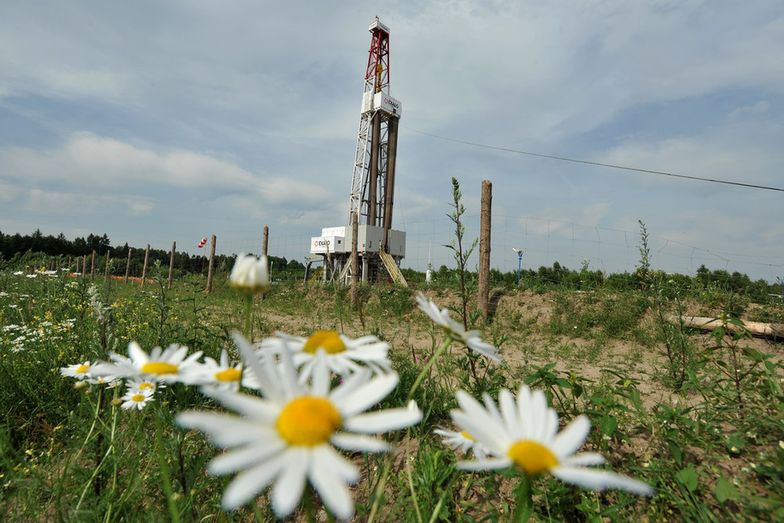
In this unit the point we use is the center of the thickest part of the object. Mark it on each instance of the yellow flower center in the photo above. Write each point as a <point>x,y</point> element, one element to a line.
<point>532,456</point>
<point>159,367</point>
<point>81,369</point>
<point>229,375</point>
<point>308,421</point>
<point>146,385</point>
<point>328,340</point>
<point>138,398</point>
<point>467,436</point>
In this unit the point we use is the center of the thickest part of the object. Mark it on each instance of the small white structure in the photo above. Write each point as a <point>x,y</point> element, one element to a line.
<point>334,246</point>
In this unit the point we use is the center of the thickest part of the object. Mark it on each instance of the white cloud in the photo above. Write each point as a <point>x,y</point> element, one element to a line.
<point>59,202</point>
<point>761,107</point>
<point>87,160</point>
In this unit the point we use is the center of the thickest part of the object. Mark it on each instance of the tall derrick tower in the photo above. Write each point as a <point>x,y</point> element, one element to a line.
<point>373,183</point>
<point>373,180</point>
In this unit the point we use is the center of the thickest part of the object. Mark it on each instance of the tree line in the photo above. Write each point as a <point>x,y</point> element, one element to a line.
<point>14,247</point>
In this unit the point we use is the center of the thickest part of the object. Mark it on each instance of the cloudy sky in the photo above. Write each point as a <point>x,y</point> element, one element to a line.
<point>171,120</point>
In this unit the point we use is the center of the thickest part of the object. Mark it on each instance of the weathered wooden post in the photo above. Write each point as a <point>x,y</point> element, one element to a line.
<point>84,266</point>
<point>171,263</point>
<point>484,248</point>
<point>92,266</point>
<point>354,261</point>
<point>128,265</point>
<point>265,241</point>
<point>68,263</point>
<point>106,269</point>
<point>210,265</point>
<point>144,267</point>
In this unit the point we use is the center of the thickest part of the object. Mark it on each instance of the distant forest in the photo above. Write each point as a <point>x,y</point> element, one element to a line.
<point>15,246</point>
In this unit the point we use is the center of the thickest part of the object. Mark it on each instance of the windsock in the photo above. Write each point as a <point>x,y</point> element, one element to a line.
<point>202,243</point>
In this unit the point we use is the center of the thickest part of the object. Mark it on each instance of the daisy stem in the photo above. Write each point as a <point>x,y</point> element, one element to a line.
<point>81,449</point>
<point>426,369</point>
<point>413,492</point>
<point>249,317</point>
<point>524,504</point>
<point>309,506</point>
<point>164,468</point>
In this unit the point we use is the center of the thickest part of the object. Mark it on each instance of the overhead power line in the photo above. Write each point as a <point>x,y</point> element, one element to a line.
<point>598,164</point>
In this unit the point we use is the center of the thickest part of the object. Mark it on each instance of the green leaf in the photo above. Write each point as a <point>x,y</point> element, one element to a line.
<point>736,442</point>
<point>608,425</point>
<point>676,451</point>
<point>725,490</point>
<point>688,478</point>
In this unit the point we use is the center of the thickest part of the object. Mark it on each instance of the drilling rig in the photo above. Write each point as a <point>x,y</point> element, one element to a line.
<point>380,248</point>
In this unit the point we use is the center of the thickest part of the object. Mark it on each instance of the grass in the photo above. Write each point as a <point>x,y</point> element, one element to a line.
<point>70,454</point>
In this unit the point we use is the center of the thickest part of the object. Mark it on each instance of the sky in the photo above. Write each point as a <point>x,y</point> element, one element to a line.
<point>168,121</point>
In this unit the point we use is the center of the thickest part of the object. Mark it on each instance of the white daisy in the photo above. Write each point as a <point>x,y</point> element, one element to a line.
<point>342,354</point>
<point>80,371</point>
<point>109,381</point>
<point>136,398</point>
<point>143,384</point>
<point>455,329</point>
<point>250,274</point>
<point>524,433</point>
<point>290,435</point>
<point>222,375</point>
<point>463,441</point>
<point>160,365</point>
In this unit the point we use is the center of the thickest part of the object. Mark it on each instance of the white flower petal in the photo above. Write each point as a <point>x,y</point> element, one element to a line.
<point>539,408</point>
<point>320,385</point>
<point>384,420</point>
<point>349,385</point>
<point>487,464</point>
<point>358,443</point>
<point>224,430</point>
<point>509,414</point>
<point>491,407</point>
<point>245,404</point>
<point>480,424</point>
<point>368,394</point>
<point>490,433</point>
<point>330,486</point>
<point>288,487</point>
<point>243,458</point>
<point>601,480</point>
<point>551,426</point>
<point>251,481</point>
<point>584,459</point>
<point>475,343</point>
<point>572,437</point>
<point>267,384</point>
<point>138,356</point>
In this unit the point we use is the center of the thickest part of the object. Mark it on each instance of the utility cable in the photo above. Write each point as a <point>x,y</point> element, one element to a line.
<point>598,164</point>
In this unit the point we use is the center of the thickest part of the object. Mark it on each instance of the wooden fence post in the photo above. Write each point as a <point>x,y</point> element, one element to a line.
<point>92,266</point>
<point>106,270</point>
<point>84,266</point>
<point>210,266</point>
<point>144,267</point>
<point>354,262</point>
<point>171,263</point>
<point>265,241</point>
<point>128,265</point>
<point>484,248</point>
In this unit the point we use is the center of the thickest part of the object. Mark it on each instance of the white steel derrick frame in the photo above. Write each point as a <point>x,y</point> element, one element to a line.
<point>360,182</point>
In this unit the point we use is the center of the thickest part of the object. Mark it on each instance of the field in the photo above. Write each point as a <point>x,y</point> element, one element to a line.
<point>699,416</point>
